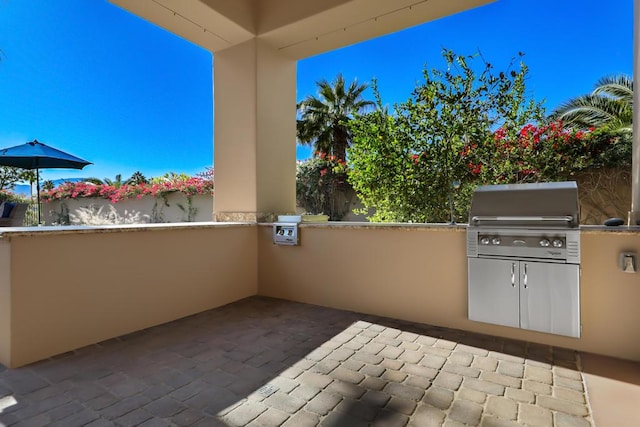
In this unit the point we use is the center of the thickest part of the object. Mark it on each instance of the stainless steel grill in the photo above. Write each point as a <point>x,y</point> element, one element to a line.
<point>523,250</point>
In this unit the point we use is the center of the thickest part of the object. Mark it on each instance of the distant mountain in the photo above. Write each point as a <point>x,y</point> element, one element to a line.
<point>23,189</point>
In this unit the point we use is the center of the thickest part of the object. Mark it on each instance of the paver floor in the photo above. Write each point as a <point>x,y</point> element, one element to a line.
<point>268,362</point>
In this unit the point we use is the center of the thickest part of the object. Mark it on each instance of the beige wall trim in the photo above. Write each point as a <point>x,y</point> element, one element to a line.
<point>245,216</point>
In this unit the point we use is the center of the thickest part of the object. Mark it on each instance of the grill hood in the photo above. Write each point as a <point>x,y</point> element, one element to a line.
<point>546,204</point>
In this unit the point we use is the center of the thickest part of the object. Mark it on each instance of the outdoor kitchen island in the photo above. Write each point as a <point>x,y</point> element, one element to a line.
<point>418,272</point>
<point>62,288</point>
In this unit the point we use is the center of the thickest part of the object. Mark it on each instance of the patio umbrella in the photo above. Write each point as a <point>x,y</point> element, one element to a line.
<point>36,155</point>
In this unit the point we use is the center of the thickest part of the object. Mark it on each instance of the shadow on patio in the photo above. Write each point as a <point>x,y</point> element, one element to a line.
<point>264,361</point>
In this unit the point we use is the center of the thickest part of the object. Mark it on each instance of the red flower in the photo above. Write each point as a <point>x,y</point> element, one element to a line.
<point>323,172</point>
<point>475,169</point>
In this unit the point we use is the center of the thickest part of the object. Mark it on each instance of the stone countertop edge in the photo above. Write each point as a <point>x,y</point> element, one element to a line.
<point>603,229</point>
<point>7,232</point>
<point>443,226</point>
<point>378,225</point>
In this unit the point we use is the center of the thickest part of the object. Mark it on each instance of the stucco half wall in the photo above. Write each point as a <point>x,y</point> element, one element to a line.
<point>65,288</point>
<point>76,287</point>
<point>419,273</point>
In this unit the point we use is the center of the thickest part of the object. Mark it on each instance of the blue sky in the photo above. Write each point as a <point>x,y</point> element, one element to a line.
<point>91,79</point>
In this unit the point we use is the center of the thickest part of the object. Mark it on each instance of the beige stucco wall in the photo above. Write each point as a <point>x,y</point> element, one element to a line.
<point>5,299</point>
<point>255,132</point>
<point>72,290</point>
<point>61,290</point>
<point>142,209</point>
<point>420,274</point>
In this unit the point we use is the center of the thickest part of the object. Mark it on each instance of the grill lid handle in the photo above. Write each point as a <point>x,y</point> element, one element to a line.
<point>566,218</point>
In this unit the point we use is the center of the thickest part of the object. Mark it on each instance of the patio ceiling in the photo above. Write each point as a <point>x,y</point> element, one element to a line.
<point>296,28</point>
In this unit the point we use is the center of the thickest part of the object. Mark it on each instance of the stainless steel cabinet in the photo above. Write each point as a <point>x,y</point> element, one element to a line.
<point>494,292</point>
<point>550,297</point>
<point>539,296</point>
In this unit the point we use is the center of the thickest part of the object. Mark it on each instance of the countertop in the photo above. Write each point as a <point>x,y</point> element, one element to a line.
<point>39,231</point>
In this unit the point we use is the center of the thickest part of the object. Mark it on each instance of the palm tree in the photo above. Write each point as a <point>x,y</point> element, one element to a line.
<point>610,104</point>
<point>47,185</point>
<point>323,120</point>
<point>117,182</point>
<point>137,178</point>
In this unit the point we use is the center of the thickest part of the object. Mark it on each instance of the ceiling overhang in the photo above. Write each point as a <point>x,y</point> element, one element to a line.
<point>297,28</point>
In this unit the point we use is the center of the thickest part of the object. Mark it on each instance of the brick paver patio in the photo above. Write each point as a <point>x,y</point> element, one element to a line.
<point>268,362</point>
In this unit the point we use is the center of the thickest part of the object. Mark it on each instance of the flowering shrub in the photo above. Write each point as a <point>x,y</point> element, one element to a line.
<point>322,187</point>
<point>70,190</point>
<point>10,196</point>
<point>406,164</point>
<point>547,152</point>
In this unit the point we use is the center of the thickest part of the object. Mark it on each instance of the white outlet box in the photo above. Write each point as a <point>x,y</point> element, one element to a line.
<point>628,262</point>
<point>285,234</point>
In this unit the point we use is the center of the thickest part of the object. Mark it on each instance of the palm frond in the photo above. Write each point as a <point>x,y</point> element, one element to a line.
<point>610,104</point>
<point>619,86</point>
<point>594,111</point>
<point>323,118</point>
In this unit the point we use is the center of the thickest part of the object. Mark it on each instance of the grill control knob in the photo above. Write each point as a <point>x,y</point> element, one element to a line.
<point>557,243</point>
<point>496,241</point>
<point>544,243</point>
<point>485,241</point>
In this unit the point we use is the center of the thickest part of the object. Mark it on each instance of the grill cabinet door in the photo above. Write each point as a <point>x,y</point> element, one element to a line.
<point>550,298</point>
<point>494,291</point>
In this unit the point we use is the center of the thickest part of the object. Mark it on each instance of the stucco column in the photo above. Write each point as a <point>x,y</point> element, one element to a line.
<point>634,215</point>
<point>254,133</point>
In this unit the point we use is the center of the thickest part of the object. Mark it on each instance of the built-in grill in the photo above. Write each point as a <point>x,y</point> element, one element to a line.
<point>523,250</point>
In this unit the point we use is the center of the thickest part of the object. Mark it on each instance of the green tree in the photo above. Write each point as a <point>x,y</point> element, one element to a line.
<point>47,185</point>
<point>136,179</point>
<point>322,188</point>
<point>170,177</point>
<point>407,166</point>
<point>610,104</point>
<point>9,177</point>
<point>28,175</point>
<point>323,119</point>
<point>116,182</point>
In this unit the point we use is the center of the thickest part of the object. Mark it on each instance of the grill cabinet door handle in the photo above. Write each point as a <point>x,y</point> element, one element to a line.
<point>525,277</point>
<point>513,274</point>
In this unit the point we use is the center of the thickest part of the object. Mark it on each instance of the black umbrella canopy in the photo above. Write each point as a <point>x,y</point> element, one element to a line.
<point>36,155</point>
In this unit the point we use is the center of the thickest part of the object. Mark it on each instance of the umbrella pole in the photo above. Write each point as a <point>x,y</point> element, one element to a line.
<point>38,192</point>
